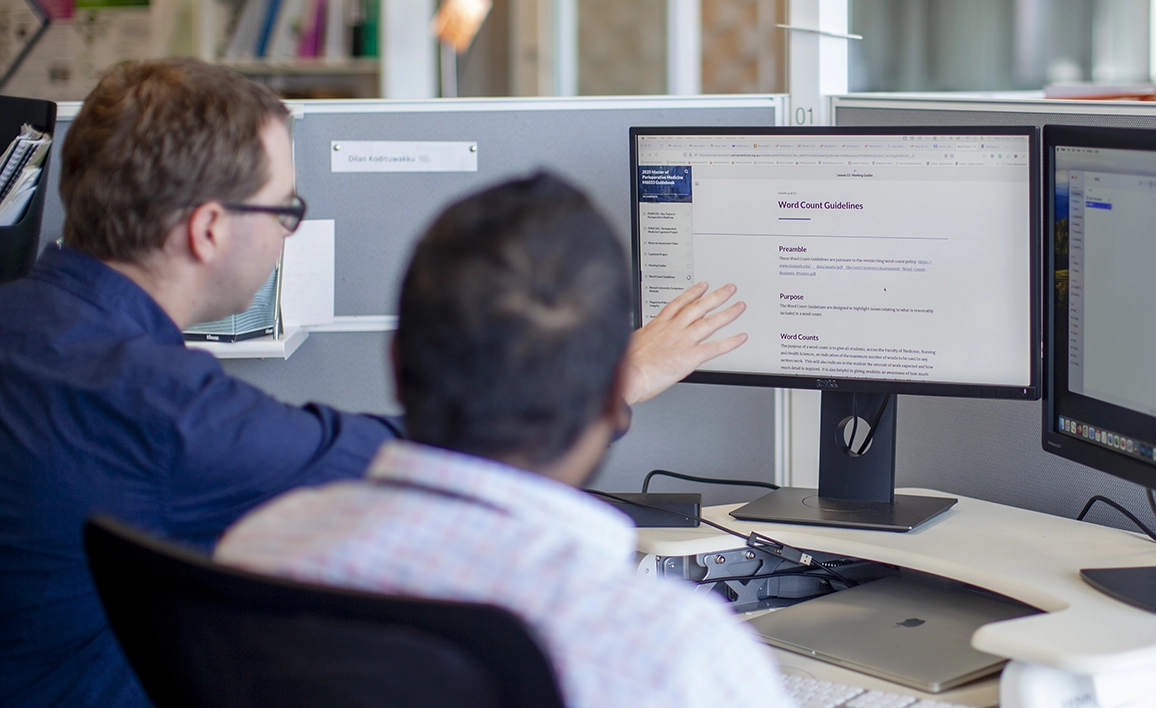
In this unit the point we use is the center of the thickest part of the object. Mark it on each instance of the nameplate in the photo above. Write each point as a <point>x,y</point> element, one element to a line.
<point>402,156</point>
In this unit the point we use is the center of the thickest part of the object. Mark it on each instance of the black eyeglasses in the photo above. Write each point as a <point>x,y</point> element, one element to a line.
<point>289,216</point>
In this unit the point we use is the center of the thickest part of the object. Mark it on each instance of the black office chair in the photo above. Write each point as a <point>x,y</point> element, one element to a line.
<point>201,634</point>
<point>20,243</point>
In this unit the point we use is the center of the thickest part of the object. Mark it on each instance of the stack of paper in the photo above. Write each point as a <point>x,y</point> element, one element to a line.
<point>20,172</point>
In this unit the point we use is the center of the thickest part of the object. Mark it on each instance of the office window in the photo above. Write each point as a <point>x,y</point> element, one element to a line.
<point>621,47</point>
<point>996,45</point>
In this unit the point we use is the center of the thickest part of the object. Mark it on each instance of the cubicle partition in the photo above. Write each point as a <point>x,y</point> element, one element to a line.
<point>707,430</point>
<point>986,448</point>
<point>981,448</point>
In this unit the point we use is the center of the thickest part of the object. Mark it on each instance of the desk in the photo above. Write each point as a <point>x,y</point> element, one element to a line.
<point>1026,555</point>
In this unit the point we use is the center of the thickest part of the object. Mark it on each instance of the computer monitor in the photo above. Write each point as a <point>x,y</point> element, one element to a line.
<point>873,262</point>
<point>1100,388</point>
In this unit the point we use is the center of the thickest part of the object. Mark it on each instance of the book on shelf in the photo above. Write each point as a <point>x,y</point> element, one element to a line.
<point>271,11</point>
<point>283,30</point>
<point>369,21</point>
<point>311,34</point>
<point>337,37</point>
<point>283,40</point>
<point>243,43</point>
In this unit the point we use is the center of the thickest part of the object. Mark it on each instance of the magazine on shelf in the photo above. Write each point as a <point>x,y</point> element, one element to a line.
<point>20,169</point>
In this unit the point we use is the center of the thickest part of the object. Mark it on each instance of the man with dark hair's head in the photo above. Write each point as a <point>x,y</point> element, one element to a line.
<point>178,187</point>
<point>510,358</point>
<point>514,318</point>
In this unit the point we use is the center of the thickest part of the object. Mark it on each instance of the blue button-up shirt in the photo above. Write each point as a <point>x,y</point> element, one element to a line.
<point>103,409</point>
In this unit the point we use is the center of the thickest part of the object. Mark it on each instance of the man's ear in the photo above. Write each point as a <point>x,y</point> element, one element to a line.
<point>206,231</point>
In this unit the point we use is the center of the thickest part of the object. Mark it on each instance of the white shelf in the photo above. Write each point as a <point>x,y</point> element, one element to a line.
<point>259,348</point>
<point>269,348</point>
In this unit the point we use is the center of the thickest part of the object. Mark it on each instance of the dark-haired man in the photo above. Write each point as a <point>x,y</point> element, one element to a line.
<point>510,383</point>
<point>177,181</point>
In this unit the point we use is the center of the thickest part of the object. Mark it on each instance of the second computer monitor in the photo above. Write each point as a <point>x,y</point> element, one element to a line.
<point>1100,393</point>
<point>873,260</point>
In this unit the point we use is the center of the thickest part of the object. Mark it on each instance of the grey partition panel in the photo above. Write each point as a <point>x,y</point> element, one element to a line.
<point>379,216</point>
<point>710,431</point>
<point>992,449</point>
<point>703,430</point>
<point>347,370</point>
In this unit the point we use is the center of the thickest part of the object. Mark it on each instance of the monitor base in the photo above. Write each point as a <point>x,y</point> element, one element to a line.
<point>1135,586</point>
<point>796,505</point>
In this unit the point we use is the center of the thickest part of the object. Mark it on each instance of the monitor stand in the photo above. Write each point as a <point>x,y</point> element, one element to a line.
<point>1135,586</point>
<point>855,490</point>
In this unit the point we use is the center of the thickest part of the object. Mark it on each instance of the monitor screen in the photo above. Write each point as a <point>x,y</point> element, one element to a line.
<point>1101,393</point>
<point>898,260</point>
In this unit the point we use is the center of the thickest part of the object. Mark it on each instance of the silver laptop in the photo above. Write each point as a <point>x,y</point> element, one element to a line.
<point>911,630</point>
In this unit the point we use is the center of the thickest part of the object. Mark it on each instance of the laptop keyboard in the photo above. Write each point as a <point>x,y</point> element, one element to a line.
<point>812,693</point>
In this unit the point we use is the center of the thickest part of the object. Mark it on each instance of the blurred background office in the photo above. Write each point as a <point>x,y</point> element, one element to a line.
<point>386,48</point>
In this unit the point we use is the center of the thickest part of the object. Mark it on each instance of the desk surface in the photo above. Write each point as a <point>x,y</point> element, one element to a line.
<point>1026,555</point>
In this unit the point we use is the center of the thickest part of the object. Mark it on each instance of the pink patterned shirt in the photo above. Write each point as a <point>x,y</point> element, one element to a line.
<point>431,523</point>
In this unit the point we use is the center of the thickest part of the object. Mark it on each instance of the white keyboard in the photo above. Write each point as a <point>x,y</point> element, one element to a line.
<point>812,693</point>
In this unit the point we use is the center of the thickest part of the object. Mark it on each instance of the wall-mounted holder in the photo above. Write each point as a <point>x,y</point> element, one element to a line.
<point>20,243</point>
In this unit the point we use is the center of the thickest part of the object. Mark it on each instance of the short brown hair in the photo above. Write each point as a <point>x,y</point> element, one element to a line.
<point>154,138</point>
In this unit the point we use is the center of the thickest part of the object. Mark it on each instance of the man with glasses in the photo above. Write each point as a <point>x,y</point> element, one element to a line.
<point>178,186</point>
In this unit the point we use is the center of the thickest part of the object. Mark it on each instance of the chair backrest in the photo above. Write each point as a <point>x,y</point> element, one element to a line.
<point>20,243</point>
<point>201,634</point>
